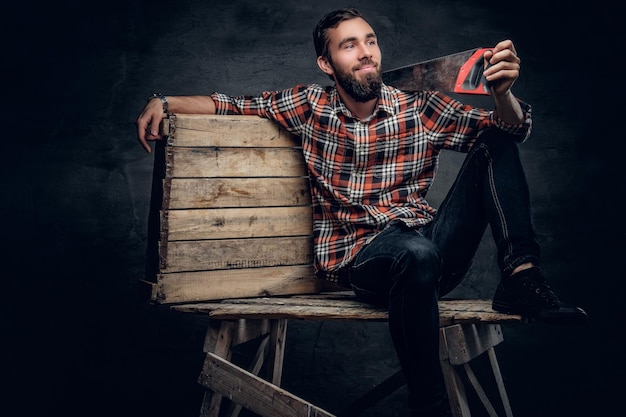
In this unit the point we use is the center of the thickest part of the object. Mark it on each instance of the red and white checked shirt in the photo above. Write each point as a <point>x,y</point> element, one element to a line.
<point>366,173</point>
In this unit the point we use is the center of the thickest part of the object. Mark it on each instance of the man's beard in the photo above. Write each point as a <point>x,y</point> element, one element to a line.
<point>361,91</point>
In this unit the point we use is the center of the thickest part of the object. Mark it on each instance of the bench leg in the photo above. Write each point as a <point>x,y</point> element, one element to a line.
<point>271,350</point>
<point>254,393</point>
<point>222,378</point>
<point>454,384</point>
<point>255,368</point>
<point>500,382</point>
<point>482,395</point>
<point>276,354</point>
<point>219,340</point>
<point>459,345</point>
<point>222,336</point>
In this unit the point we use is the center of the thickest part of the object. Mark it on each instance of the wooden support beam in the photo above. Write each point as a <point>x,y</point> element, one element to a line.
<point>218,341</point>
<point>254,393</point>
<point>276,352</point>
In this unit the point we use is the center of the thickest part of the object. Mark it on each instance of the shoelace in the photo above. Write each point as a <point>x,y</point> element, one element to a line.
<point>542,290</point>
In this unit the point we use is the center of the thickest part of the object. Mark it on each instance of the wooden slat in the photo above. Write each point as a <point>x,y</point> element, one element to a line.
<point>186,193</point>
<point>218,162</point>
<point>311,308</point>
<point>211,130</point>
<point>252,282</point>
<point>237,253</point>
<point>254,393</point>
<point>238,223</point>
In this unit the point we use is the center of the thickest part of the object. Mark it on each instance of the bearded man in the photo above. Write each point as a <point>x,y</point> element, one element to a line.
<point>371,152</point>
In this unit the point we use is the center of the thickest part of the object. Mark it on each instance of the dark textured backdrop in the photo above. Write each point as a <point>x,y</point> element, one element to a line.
<point>77,339</point>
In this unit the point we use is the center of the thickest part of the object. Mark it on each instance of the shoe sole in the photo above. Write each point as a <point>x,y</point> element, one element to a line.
<point>577,317</point>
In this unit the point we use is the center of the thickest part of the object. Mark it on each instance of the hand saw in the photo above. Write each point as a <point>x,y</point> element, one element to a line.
<point>461,73</point>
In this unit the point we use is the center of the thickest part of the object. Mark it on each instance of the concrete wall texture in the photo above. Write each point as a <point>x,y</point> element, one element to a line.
<point>77,339</point>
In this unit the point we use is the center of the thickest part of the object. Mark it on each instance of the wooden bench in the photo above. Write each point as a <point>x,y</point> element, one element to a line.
<point>230,237</point>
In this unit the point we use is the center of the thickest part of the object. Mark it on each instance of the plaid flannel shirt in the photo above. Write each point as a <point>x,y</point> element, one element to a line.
<point>367,173</point>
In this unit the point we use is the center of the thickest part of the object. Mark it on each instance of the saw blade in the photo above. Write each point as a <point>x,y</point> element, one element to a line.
<point>461,72</point>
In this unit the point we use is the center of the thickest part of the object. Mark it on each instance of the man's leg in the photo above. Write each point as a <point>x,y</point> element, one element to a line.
<point>491,188</point>
<point>401,269</point>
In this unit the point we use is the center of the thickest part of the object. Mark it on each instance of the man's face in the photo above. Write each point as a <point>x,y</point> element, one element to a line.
<point>355,59</point>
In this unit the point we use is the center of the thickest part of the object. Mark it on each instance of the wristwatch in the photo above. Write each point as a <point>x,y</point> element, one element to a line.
<point>162,98</point>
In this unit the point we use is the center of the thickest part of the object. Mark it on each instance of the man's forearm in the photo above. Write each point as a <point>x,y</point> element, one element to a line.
<point>191,104</point>
<point>508,108</point>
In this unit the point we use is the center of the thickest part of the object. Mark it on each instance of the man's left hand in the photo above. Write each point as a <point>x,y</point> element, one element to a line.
<point>502,67</point>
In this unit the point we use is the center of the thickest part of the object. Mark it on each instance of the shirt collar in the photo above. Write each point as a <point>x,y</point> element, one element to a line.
<point>385,105</point>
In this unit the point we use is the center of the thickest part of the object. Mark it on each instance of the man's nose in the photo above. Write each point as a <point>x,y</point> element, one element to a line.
<point>366,51</point>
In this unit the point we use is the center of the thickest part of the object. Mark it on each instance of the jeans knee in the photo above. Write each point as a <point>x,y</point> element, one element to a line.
<point>420,263</point>
<point>399,259</point>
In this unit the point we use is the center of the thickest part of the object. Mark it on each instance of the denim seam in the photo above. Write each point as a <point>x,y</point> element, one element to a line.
<point>498,205</point>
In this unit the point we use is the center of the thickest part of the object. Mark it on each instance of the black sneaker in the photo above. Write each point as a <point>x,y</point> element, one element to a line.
<point>526,293</point>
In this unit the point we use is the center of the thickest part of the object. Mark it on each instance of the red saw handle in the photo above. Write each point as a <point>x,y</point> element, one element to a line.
<point>470,79</point>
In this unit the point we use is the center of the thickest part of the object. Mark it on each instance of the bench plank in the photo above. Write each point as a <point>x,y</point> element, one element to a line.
<point>314,307</point>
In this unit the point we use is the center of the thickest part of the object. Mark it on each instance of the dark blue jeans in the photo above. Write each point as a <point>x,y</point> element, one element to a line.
<point>409,269</point>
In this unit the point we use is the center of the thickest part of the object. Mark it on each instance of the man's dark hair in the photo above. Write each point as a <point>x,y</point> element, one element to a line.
<point>331,21</point>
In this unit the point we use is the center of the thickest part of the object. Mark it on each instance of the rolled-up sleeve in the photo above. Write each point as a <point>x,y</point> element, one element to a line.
<point>521,130</point>
<point>290,108</point>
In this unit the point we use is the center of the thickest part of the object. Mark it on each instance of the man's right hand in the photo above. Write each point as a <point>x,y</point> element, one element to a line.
<point>148,123</point>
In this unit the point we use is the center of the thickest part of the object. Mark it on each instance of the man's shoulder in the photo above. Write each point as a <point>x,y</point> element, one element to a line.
<point>313,92</point>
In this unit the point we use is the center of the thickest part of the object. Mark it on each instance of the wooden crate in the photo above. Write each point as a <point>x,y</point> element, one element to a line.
<point>232,212</point>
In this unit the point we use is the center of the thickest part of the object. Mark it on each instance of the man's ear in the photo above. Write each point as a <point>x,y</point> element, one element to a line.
<point>325,65</point>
